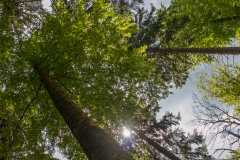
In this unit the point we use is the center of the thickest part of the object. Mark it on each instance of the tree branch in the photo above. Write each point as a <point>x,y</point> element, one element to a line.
<point>21,118</point>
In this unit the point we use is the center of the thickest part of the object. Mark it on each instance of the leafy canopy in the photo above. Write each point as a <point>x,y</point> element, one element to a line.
<point>222,84</point>
<point>88,55</point>
<point>211,23</point>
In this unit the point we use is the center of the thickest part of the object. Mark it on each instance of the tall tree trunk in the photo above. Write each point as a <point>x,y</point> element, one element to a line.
<point>226,19</point>
<point>153,52</point>
<point>161,149</point>
<point>95,142</point>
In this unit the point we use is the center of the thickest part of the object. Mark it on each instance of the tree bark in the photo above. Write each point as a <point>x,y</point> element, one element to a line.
<point>154,52</point>
<point>95,142</point>
<point>161,149</point>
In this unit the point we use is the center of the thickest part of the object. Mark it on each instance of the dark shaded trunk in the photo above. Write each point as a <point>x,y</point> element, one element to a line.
<point>4,139</point>
<point>153,52</point>
<point>161,149</point>
<point>3,157</point>
<point>95,142</point>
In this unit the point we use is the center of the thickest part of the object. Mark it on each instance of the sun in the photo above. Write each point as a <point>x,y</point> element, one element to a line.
<point>126,132</point>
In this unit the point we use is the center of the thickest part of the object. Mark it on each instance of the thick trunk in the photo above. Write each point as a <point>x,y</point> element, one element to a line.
<point>95,142</point>
<point>154,52</point>
<point>161,149</point>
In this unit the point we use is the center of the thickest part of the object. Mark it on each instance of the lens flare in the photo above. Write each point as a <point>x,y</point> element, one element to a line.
<point>126,132</point>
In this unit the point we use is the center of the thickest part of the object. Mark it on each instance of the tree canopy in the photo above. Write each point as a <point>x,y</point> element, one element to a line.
<point>210,23</point>
<point>101,57</point>
<point>221,84</point>
<point>88,55</point>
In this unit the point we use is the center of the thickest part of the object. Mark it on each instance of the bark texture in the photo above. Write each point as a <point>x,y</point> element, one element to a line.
<point>223,51</point>
<point>161,149</point>
<point>95,142</point>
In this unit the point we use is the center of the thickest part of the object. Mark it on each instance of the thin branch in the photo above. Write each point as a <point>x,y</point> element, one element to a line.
<point>64,86</point>
<point>51,62</point>
<point>44,58</point>
<point>225,149</point>
<point>65,63</point>
<point>64,76</point>
<point>21,118</point>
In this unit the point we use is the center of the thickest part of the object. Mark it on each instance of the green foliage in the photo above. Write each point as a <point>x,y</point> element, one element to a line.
<point>235,155</point>
<point>211,23</point>
<point>221,84</point>
<point>87,54</point>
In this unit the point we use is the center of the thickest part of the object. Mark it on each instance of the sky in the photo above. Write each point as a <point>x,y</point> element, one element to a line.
<point>156,3</point>
<point>181,101</point>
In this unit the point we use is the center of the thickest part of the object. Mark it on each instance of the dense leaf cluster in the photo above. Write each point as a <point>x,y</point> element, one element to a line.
<point>211,23</point>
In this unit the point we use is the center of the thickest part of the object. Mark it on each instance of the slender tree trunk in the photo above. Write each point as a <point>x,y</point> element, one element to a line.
<point>161,149</point>
<point>154,52</point>
<point>225,19</point>
<point>95,142</point>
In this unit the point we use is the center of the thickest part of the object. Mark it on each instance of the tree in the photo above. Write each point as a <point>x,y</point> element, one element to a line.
<point>221,84</point>
<point>219,123</point>
<point>90,61</point>
<point>94,141</point>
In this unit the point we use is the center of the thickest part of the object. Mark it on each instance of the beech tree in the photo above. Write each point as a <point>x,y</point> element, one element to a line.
<point>89,58</point>
<point>94,141</point>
